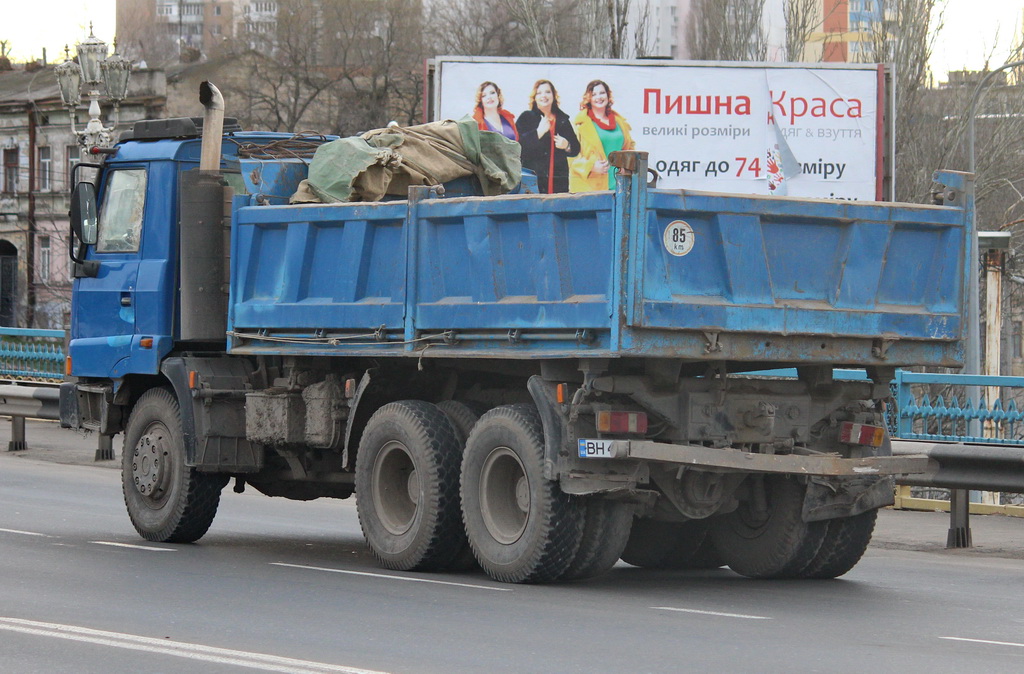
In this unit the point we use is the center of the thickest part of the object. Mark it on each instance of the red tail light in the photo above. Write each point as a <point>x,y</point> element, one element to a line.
<point>861,434</point>
<point>621,422</point>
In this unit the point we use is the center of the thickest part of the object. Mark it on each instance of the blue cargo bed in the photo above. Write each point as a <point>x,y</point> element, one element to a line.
<point>596,275</point>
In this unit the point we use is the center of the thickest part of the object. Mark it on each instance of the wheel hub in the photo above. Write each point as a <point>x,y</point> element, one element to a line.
<point>523,494</point>
<point>150,469</point>
<point>504,495</point>
<point>395,488</point>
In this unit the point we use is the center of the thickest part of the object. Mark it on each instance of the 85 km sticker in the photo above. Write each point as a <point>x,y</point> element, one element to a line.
<point>678,238</point>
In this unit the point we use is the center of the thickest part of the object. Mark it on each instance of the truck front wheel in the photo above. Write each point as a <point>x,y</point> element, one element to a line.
<point>521,526</point>
<point>407,487</point>
<point>167,501</point>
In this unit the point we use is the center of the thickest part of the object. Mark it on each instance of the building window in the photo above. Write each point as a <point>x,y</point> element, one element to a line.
<point>45,170</point>
<point>73,158</point>
<point>44,258</point>
<point>216,10</point>
<point>11,170</point>
<point>1018,347</point>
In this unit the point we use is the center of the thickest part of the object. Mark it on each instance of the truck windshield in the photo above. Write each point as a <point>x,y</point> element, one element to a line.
<point>121,214</point>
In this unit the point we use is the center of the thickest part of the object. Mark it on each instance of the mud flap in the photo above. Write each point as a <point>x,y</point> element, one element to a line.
<point>213,414</point>
<point>831,498</point>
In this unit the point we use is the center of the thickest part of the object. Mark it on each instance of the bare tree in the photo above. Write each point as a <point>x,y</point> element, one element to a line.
<point>581,28</point>
<point>5,62</point>
<point>283,61</point>
<point>141,37</point>
<point>538,21</point>
<point>904,37</point>
<point>472,28</point>
<point>803,19</point>
<point>727,30</point>
<point>337,66</point>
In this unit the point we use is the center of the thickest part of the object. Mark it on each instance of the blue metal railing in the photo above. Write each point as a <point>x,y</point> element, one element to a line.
<point>34,355</point>
<point>941,418</point>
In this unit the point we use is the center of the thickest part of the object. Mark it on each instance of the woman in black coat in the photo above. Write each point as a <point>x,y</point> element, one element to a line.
<point>548,139</point>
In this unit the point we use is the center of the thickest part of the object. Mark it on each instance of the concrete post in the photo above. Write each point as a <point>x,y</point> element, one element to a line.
<point>105,448</point>
<point>994,260</point>
<point>17,442</point>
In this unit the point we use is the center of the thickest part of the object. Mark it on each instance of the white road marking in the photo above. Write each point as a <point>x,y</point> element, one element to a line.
<point>269,663</point>
<point>25,533</point>
<point>391,577</point>
<point>984,641</point>
<point>133,547</point>
<point>715,613</point>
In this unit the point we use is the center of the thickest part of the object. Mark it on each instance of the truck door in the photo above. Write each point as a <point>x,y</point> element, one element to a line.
<point>104,318</point>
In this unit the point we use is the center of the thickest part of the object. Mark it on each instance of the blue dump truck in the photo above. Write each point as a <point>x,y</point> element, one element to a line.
<point>540,385</point>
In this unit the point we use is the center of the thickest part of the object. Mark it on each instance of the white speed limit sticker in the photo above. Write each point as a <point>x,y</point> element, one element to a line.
<point>678,238</point>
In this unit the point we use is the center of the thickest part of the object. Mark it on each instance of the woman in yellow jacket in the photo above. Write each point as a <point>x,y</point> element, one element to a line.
<point>601,131</point>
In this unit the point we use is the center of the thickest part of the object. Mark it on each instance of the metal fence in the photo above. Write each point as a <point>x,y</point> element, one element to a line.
<point>947,415</point>
<point>31,355</point>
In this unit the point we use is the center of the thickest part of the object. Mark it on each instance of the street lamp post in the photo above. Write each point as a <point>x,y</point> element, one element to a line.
<point>94,68</point>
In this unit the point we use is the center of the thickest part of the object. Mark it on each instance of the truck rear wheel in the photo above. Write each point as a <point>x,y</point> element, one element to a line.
<point>845,542</point>
<point>407,487</point>
<point>167,501</point>
<point>522,527</point>
<point>462,416</point>
<point>606,526</point>
<point>655,544</point>
<point>770,540</point>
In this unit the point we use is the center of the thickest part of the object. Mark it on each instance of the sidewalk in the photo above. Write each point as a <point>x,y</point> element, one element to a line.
<point>992,535</point>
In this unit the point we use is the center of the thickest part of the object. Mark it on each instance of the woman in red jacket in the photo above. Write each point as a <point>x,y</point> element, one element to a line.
<point>546,135</point>
<point>490,114</point>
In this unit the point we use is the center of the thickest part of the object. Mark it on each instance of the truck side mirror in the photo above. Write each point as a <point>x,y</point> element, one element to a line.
<point>83,213</point>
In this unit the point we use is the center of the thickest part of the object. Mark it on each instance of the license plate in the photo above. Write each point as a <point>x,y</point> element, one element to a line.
<point>596,449</point>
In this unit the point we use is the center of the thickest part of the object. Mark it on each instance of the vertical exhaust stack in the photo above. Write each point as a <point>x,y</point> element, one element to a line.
<point>202,266</point>
<point>213,126</point>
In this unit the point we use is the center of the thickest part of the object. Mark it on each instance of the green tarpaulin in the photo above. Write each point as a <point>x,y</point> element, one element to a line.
<point>387,161</point>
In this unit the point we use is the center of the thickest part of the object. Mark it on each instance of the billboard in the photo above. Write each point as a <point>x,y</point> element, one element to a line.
<point>783,129</point>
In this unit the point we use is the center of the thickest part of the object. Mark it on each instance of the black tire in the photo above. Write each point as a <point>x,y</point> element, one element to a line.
<point>606,526</point>
<point>522,527</point>
<point>167,501</point>
<point>462,416</point>
<point>774,544</point>
<point>845,542</point>
<point>655,544</point>
<point>407,487</point>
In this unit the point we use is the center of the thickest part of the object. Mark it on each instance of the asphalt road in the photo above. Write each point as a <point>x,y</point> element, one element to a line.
<point>288,586</point>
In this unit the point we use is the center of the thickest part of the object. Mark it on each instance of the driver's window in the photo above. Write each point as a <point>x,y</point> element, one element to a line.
<point>121,214</point>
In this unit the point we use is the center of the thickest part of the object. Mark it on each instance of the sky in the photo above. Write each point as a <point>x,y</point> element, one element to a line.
<point>974,29</point>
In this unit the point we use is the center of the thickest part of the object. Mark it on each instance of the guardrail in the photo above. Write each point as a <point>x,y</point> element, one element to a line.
<point>945,428</point>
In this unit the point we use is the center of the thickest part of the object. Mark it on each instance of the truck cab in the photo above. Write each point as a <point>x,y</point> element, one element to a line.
<point>127,290</point>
